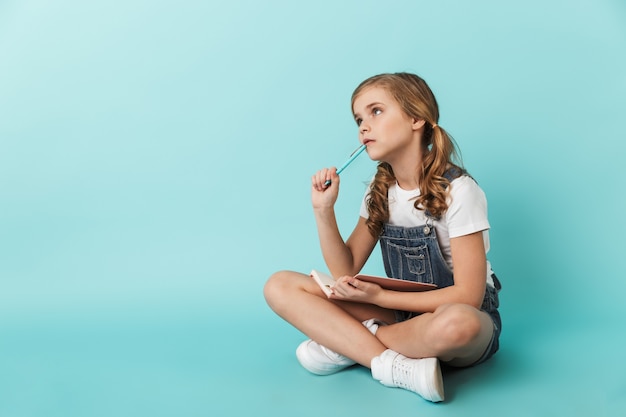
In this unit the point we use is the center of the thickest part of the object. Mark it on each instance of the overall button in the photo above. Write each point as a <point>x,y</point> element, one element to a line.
<point>426,230</point>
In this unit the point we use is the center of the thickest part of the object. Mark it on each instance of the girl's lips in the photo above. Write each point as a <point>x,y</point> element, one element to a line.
<point>367,141</point>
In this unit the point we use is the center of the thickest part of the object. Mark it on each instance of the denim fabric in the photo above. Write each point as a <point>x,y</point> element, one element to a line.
<point>490,306</point>
<point>413,254</point>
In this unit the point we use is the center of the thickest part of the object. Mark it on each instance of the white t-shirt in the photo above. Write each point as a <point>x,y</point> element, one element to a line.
<point>466,214</point>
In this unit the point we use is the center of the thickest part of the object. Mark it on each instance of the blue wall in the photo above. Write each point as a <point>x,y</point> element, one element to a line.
<point>155,156</point>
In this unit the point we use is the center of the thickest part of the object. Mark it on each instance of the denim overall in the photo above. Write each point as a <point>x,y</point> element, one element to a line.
<point>413,254</point>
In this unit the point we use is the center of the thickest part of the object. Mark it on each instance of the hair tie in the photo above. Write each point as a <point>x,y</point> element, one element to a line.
<point>435,125</point>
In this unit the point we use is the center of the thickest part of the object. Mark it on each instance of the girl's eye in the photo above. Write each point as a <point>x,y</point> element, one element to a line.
<point>358,122</point>
<point>376,111</point>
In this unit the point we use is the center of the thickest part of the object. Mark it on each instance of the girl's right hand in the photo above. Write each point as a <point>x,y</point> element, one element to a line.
<point>324,196</point>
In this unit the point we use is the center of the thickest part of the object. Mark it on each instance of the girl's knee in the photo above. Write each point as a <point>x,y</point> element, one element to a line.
<point>275,287</point>
<point>456,325</point>
<point>281,286</point>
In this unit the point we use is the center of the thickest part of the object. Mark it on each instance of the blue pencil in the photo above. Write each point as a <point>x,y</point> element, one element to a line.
<point>348,162</point>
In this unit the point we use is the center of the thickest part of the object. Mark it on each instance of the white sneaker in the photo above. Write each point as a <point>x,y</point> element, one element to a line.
<point>422,376</point>
<point>320,360</point>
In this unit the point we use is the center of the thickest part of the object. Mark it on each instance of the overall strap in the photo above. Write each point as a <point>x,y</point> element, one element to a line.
<point>451,174</point>
<point>454,173</point>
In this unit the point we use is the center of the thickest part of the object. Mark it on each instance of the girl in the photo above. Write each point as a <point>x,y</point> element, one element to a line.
<point>430,218</point>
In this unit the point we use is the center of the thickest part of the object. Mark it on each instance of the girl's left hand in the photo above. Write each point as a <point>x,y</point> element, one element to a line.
<point>351,289</point>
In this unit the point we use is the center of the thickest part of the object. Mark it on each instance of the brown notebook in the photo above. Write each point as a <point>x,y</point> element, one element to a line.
<point>326,282</point>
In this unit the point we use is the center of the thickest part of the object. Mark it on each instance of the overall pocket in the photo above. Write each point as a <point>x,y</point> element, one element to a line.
<point>409,263</point>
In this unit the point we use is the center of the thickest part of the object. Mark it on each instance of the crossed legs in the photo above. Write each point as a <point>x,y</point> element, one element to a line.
<point>457,334</point>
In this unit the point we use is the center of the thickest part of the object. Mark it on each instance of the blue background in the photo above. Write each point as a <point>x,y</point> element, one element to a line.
<point>154,171</point>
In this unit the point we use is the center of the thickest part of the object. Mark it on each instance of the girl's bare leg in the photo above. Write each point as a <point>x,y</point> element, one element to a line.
<point>455,333</point>
<point>337,325</point>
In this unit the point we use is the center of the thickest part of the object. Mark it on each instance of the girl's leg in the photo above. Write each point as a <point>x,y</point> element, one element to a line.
<point>457,334</point>
<point>336,325</point>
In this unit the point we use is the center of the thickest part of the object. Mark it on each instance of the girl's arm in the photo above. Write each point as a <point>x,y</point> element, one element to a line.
<point>470,271</point>
<point>342,258</point>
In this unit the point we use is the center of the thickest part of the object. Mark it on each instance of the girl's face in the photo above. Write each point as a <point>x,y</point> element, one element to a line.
<point>388,132</point>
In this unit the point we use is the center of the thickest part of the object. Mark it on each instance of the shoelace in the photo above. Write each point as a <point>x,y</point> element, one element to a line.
<point>402,373</point>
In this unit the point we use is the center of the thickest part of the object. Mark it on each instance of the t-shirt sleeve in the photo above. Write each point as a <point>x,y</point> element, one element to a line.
<point>363,211</point>
<point>467,208</point>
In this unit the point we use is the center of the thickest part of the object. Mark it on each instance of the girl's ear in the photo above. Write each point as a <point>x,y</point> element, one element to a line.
<point>418,124</point>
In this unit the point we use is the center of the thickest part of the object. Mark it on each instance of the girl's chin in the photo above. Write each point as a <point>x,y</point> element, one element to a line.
<point>376,157</point>
<point>373,155</point>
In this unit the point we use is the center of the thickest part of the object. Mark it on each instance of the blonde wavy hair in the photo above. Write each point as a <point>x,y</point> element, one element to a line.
<point>439,151</point>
